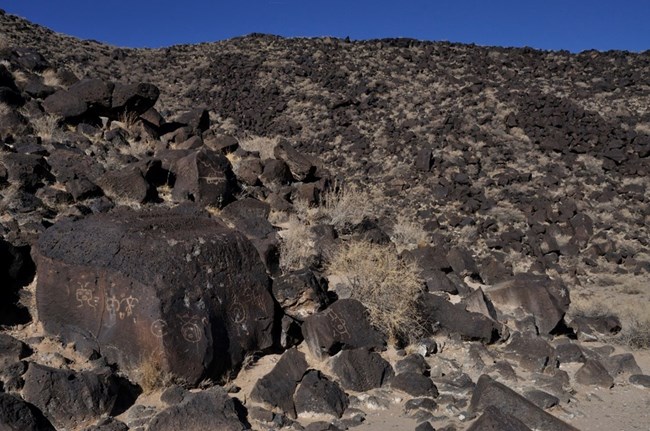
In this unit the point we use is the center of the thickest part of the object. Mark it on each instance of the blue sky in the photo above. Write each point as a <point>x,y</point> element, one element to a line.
<point>574,25</point>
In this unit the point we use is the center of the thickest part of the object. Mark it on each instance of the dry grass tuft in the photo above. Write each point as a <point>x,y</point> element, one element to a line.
<point>636,327</point>
<point>297,248</point>
<point>408,235</point>
<point>388,286</point>
<point>261,144</point>
<point>341,206</point>
<point>151,375</point>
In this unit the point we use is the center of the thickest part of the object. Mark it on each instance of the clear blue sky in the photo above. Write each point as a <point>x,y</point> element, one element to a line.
<point>574,25</point>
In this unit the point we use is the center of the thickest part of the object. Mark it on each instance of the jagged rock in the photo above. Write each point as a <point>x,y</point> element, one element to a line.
<point>198,120</point>
<point>593,373</point>
<point>414,363</point>
<point>68,164</point>
<point>206,410</point>
<point>275,174</point>
<point>17,415</point>
<point>318,395</point>
<point>462,262</point>
<point>341,326</point>
<point>417,404</point>
<point>11,350</point>
<point>300,294</point>
<point>588,328</point>
<point>250,217</point>
<point>16,270</point>
<point>494,419</point>
<point>277,387</point>
<point>126,184</point>
<point>640,380</point>
<point>532,353</point>
<point>621,364</point>
<point>82,189</point>
<point>68,399</point>
<point>569,352</point>
<point>322,426</point>
<point>491,393</point>
<point>138,98</point>
<point>545,299</point>
<point>542,399</point>
<point>477,302</point>
<point>204,176</point>
<point>26,171</point>
<point>300,166</point>
<point>361,370</point>
<point>454,318</point>
<point>178,284</point>
<point>108,424</point>
<point>414,384</point>
<point>424,426</point>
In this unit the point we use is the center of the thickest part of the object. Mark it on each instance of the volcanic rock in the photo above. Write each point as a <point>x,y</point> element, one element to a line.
<point>341,326</point>
<point>162,286</point>
<point>318,395</point>
<point>361,370</point>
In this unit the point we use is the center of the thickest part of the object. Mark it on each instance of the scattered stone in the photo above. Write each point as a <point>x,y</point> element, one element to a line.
<point>494,419</point>
<point>208,409</point>
<point>414,384</point>
<point>532,353</point>
<point>361,370</point>
<point>57,394</point>
<point>277,387</point>
<point>640,380</point>
<point>545,299</point>
<point>204,176</point>
<point>16,414</point>
<point>454,318</point>
<point>300,294</point>
<point>542,399</point>
<point>341,326</point>
<point>593,373</point>
<point>318,395</point>
<point>621,364</point>
<point>491,393</point>
<point>424,426</point>
<point>108,424</point>
<point>414,363</point>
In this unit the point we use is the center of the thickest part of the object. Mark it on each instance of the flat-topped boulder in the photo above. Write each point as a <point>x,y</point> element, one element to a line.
<point>172,287</point>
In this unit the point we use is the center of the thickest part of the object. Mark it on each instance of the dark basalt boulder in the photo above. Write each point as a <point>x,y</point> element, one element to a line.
<point>301,166</point>
<point>207,410</point>
<point>414,384</point>
<point>361,370</point>
<point>593,373</point>
<point>278,386</point>
<point>16,270</point>
<point>17,415</point>
<point>300,294</point>
<point>454,318</point>
<point>547,300</point>
<point>137,98</point>
<point>127,184</point>
<point>68,399</point>
<point>26,171</point>
<point>318,395</point>
<point>204,176</point>
<point>108,424</point>
<point>489,392</point>
<point>494,419</point>
<point>11,350</point>
<point>169,286</point>
<point>341,326</point>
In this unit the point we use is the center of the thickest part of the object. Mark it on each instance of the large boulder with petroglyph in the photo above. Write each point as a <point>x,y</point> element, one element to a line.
<point>170,286</point>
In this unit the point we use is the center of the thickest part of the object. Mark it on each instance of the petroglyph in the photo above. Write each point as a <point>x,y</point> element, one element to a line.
<point>121,308</point>
<point>192,328</point>
<point>86,296</point>
<point>340,325</point>
<point>159,328</point>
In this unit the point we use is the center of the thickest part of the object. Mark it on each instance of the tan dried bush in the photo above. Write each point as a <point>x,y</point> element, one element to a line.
<point>151,375</point>
<point>297,246</point>
<point>408,235</point>
<point>388,286</point>
<point>341,206</point>
<point>261,144</point>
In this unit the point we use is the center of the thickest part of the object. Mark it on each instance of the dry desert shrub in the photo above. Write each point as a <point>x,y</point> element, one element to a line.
<point>261,144</point>
<point>408,235</point>
<point>388,286</point>
<point>151,376</point>
<point>341,206</point>
<point>297,246</point>
<point>44,126</point>
<point>636,326</point>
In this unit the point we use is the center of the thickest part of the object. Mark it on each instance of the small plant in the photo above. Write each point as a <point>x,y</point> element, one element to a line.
<point>408,235</point>
<point>261,144</point>
<point>341,206</point>
<point>297,249</point>
<point>388,286</point>
<point>151,375</point>
<point>636,328</point>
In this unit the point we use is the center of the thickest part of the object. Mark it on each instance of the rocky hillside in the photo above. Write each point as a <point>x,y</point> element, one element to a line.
<point>275,233</point>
